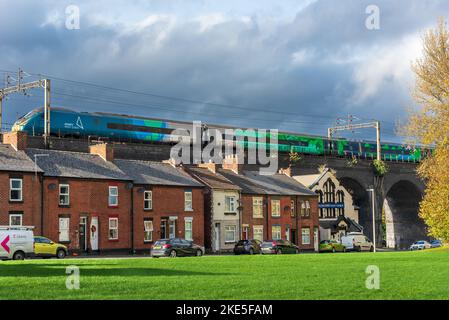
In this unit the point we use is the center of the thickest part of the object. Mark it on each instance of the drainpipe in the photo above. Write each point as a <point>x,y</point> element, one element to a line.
<point>266,218</point>
<point>41,179</point>
<point>132,219</point>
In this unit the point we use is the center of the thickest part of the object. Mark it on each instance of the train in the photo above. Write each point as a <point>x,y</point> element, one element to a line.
<point>119,127</point>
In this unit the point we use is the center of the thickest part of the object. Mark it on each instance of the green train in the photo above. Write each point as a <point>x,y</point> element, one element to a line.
<point>69,123</point>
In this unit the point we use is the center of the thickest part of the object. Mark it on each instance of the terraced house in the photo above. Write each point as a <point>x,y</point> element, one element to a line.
<point>166,201</point>
<point>275,206</point>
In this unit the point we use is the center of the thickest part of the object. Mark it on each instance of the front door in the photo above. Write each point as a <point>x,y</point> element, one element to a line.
<point>217,237</point>
<point>293,233</point>
<point>315,239</point>
<point>245,233</point>
<point>94,233</point>
<point>82,233</point>
<point>172,229</point>
<point>163,229</point>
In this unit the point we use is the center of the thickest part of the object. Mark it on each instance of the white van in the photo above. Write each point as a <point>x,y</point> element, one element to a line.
<point>357,241</point>
<point>16,242</point>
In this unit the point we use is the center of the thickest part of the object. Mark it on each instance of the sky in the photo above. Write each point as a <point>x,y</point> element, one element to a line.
<point>289,65</point>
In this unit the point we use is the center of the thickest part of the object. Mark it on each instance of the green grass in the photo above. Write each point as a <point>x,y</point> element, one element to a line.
<point>404,275</point>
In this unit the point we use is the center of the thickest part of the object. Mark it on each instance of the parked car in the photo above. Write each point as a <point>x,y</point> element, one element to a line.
<point>420,245</point>
<point>436,243</point>
<point>331,246</point>
<point>175,247</point>
<point>45,248</point>
<point>16,243</point>
<point>278,247</point>
<point>356,241</point>
<point>248,247</point>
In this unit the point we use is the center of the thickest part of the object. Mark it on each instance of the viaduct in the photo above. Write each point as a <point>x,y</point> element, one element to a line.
<point>397,194</point>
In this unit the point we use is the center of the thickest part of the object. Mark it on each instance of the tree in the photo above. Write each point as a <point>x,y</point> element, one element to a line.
<point>430,126</point>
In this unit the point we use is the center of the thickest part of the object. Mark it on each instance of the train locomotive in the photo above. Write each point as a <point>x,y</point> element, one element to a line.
<point>116,127</point>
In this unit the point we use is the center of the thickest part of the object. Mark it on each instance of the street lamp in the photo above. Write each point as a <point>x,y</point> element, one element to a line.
<point>374,220</point>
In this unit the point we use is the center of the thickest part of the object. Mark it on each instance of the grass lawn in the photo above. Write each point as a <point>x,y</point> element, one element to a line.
<point>404,275</point>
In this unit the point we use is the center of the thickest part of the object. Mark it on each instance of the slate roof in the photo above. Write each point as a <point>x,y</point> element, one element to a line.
<point>212,180</point>
<point>277,184</point>
<point>156,173</point>
<point>333,224</point>
<point>76,165</point>
<point>15,160</point>
<point>311,180</point>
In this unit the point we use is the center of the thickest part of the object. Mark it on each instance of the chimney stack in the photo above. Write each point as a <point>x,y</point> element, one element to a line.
<point>211,166</point>
<point>17,139</point>
<point>231,162</point>
<point>104,150</point>
<point>287,171</point>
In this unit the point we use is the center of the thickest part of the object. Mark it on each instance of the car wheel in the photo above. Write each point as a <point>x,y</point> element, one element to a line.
<point>344,249</point>
<point>333,250</point>
<point>251,251</point>
<point>173,254</point>
<point>19,255</point>
<point>199,253</point>
<point>371,249</point>
<point>60,254</point>
<point>297,251</point>
<point>279,251</point>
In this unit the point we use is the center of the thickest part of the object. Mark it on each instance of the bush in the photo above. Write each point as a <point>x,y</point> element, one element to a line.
<point>380,168</point>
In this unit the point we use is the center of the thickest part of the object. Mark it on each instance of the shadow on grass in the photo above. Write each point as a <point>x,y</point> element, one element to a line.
<point>93,270</point>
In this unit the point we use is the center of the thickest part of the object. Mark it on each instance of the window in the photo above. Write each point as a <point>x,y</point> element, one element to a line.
<point>341,201</point>
<point>229,204</point>
<point>15,219</point>
<point>148,230</point>
<point>320,194</point>
<point>64,227</point>
<point>258,233</point>
<point>148,200</point>
<point>307,209</point>
<point>329,197</point>
<point>64,194</point>
<point>230,233</point>
<point>276,232</point>
<point>292,208</point>
<point>257,207</point>
<point>188,229</point>
<point>188,201</point>
<point>113,196</point>
<point>113,228</point>
<point>15,189</point>
<point>275,208</point>
<point>305,233</point>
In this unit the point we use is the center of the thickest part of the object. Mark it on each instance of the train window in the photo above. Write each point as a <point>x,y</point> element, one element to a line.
<point>131,127</point>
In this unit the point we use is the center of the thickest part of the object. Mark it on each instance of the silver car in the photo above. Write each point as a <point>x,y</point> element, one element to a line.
<point>420,245</point>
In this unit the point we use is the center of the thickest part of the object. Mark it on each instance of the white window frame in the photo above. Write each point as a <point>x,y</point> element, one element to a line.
<point>16,189</point>
<point>230,204</point>
<point>278,232</point>
<point>64,233</point>
<point>148,230</point>
<point>258,203</point>
<point>14,215</point>
<point>110,196</point>
<point>148,200</point>
<point>64,194</point>
<point>112,228</point>
<point>292,208</point>
<point>188,203</point>
<point>258,227</point>
<point>188,221</point>
<point>229,229</point>
<point>305,236</point>
<point>278,206</point>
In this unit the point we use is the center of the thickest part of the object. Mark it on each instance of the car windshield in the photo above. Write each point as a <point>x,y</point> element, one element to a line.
<point>420,242</point>
<point>267,244</point>
<point>160,242</point>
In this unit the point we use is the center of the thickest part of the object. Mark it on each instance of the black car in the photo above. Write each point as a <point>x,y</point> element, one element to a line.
<point>175,247</point>
<point>279,247</point>
<point>248,247</point>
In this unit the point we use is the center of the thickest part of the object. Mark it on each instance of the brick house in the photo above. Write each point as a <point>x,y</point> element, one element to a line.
<point>167,203</point>
<point>86,200</point>
<point>275,207</point>
<point>20,185</point>
<point>221,208</point>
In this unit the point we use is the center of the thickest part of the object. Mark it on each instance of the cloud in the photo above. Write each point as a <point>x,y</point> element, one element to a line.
<point>309,63</point>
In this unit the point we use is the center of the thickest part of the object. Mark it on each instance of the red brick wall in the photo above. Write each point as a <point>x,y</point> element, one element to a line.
<point>247,215</point>
<point>308,222</point>
<point>31,200</point>
<point>89,198</point>
<point>167,201</point>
